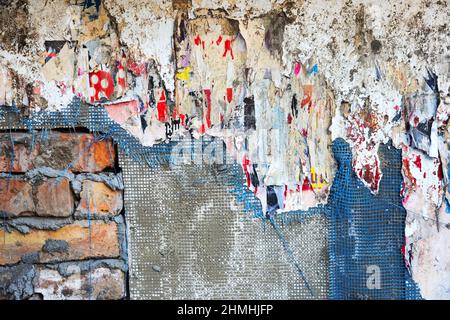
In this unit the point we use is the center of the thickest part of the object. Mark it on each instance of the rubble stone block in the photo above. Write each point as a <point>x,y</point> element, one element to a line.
<point>100,240</point>
<point>54,198</point>
<point>77,152</point>
<point>98,198</point>
<point>16,197</point>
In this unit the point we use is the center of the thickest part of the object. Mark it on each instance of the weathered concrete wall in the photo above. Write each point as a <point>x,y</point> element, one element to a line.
<point>62,229</point>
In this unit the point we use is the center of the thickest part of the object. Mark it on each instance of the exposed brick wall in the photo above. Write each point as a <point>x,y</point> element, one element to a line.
<point>62,232</point>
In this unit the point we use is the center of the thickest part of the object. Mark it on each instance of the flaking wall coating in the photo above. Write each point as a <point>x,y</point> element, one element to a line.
<point>367,71</point>
<point>189,239</point>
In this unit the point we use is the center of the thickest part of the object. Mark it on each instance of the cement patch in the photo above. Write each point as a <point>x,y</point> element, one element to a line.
<point>190,239</point>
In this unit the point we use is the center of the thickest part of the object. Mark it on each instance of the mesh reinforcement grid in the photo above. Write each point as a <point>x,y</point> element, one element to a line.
<point>362,230</point>
<point>191,239</point>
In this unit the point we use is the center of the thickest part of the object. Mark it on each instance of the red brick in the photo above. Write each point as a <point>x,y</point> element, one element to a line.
<point>54,198</point>
<point>100,241</point>
<point>106,284</point>
<point>16,197</point>
<point>102,200</point>
<point>94,156</point>
<point>77,151</point>
<point>23,152</point>
<point>47,198</point>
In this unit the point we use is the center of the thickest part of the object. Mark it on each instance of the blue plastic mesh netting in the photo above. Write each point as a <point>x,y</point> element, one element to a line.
<point>364,230</point>
<point>367,230</point>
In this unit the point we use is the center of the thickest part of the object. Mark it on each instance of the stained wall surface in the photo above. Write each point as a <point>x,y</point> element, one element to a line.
<point>190,239</point>
<point>277,81</point>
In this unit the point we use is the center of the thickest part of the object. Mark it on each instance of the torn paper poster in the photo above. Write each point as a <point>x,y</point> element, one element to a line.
<point>277,81</point>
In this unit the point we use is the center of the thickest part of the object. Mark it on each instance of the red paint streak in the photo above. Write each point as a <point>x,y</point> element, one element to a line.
<point>403,189</point>
<point>371,175</point>
<point>228,48</point>
<point>229,94</point>
<point>405,200</point>
<point>440,172</point>
<point>407,171</point>
<point>297,68</point>
<point>289,119</point>
<point>135,68</point>
<point>285,191</point>
<point>197,40</point>
<point>183,119</point>
<point>416,121</point>
<point>306,185</point>
<point>162,108</point>
<point>219,40</point>
<point>207,93</point>
<point>121,81</point>
<point>307,93</point>
<point>304,132</point>
<point>377,174</point>
<point>404,248</point>
<point>202,129</point>
<point>407,260</point>
<point>245,165</point>
<point>359,173</point>
<point>306,101</point>
<point>51,55</point>
<point>418,162</point>
<point>221,117</point>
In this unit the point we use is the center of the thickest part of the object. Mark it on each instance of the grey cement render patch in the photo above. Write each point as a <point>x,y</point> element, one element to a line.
<point>190,239</point>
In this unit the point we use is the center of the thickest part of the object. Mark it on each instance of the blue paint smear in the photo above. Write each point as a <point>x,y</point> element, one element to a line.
<point>377,72</point>
<point>447,206</point>
<point>90,3</point>
<point>313,71</point>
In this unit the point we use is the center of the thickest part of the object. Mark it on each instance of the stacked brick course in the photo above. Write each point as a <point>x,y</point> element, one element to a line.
<point>62,232</point>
